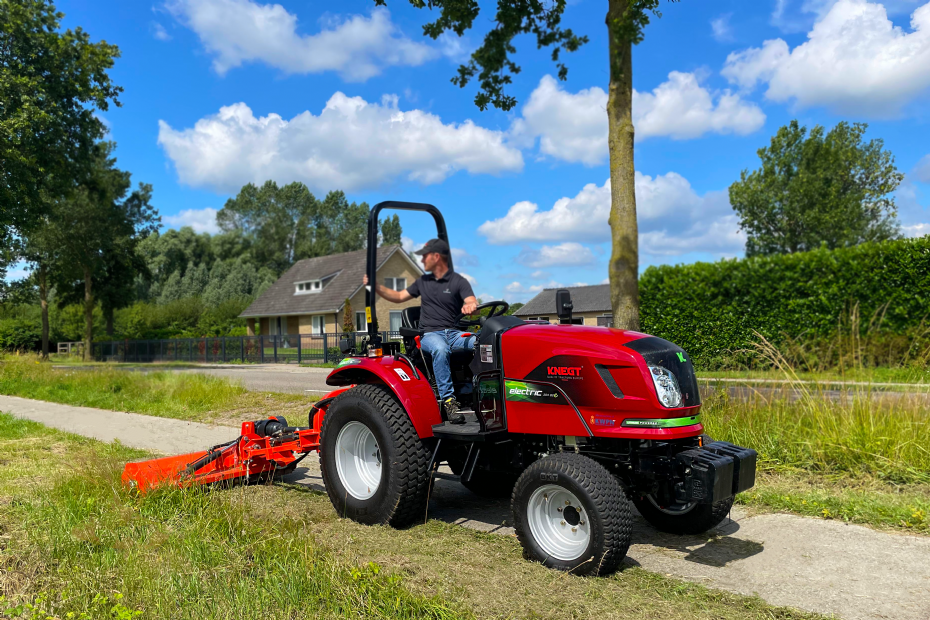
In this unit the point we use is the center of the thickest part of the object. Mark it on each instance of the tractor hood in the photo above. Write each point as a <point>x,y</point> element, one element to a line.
<point>614,378</point>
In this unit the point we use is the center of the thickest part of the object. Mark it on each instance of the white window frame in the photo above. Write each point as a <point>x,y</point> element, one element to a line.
<point>318,324</point>
<point>308,287</point>
<point>360,321</point>
<point>538,318</point>
<point>400,319</point>
<point>395,284</point>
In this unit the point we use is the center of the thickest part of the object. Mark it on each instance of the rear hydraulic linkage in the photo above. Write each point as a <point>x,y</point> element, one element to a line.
<point>262,448</point>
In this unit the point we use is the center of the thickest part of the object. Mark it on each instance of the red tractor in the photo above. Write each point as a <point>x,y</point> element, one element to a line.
<point>576,424</point>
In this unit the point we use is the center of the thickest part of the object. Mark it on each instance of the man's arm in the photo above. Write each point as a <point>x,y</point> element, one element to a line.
<point>469,306</point>
<point>394,296</point>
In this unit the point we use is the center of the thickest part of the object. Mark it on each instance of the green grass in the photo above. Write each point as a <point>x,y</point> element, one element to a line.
<point>75,541</point>
<point>862,438</point>
<point>185,396</point>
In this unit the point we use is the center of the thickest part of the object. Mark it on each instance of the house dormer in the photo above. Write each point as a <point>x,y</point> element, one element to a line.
<point>307,287</point>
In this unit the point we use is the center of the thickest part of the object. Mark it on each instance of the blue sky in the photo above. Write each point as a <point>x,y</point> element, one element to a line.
<point>222,92</point>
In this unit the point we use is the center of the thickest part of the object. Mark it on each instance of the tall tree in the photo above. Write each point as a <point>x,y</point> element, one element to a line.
<point>390,231</point>
<point>40,250</point>
<point>94,222</point>
<point>278,218</point>
<point>823,188</point>
<point>494,65</point>
<point>51,85</point>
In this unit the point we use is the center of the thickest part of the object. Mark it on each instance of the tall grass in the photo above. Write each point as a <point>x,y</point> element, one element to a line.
<point>162,393</point>
<point>805,426</point>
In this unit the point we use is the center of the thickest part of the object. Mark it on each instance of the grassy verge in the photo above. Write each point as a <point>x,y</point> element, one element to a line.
<point>73,541</point>
<point>914,376</point>
<point>187,396</point>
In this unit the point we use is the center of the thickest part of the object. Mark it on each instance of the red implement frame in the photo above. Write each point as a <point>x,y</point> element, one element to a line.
<point>248,456</point>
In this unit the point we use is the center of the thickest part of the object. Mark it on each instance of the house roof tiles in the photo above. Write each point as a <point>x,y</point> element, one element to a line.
<point>594,298</point>
<point>280,299</point>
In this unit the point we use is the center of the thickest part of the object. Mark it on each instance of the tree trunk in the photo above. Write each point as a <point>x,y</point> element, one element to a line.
<point>108,315</point>
<point>88,315</point>
<point>623,268</point>
<point>43,302</point>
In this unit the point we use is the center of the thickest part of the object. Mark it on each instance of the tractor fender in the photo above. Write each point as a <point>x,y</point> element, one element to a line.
<point>411,388</point>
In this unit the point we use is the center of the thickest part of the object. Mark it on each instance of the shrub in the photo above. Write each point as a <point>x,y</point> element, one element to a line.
<point>713,310</point>
<point>20,335</point>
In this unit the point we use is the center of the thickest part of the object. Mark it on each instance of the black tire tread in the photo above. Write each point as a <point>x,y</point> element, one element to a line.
<point>609,500</point>
<point>412,456</point>
<point>697,521</point>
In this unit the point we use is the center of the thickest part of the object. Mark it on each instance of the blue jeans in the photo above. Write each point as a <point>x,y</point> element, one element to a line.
<point>440,345</point>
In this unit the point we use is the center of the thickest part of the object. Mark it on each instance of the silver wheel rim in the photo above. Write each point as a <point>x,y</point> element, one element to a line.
<point>559,524</point>
<point>358,460</point>
<point>674,509</point>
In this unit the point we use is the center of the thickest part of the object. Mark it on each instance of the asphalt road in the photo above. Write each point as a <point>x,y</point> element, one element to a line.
<point>824,566</point>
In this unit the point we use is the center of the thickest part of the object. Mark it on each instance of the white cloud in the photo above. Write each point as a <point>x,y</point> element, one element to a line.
<point>471,279</point>
<point>351,145</point>
<point>568,254</point>
<point>159,32</point>
<point>573,127</point>
<point>201,220</point>
<point>720,26</point>
<point>240,31</point>
<point>854,61</point>
<point>461,258</point>
<point>540,275</point>
<point>518,287</point>
<point>922,170</point>
<point>672,218</point>
<point>916,230</point>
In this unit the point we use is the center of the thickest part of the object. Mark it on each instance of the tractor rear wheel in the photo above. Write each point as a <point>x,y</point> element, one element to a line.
<point>691,518</point>
<point>373,463</point>
<point>571,514</point>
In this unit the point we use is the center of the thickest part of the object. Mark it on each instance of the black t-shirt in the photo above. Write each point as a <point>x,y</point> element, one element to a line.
<point>442,299</point>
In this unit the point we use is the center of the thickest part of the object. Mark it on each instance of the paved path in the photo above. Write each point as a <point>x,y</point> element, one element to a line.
<point>823,566</point>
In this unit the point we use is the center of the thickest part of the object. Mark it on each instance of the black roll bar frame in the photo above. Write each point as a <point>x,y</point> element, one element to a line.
<point>371,267</point>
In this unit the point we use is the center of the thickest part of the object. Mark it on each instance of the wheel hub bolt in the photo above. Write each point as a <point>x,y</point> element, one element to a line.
<point>574,529</point>
<point>559,509</point>
<point>563,522</point>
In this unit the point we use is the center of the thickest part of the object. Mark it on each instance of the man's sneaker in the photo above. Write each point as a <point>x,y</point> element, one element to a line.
<point>451,407</point>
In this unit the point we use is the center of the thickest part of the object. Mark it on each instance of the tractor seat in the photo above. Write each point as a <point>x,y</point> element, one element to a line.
<point>410,328</point>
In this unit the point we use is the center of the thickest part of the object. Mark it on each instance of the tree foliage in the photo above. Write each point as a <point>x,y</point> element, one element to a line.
<point>287,224</point>
<point>826,188</point>
<point>391,231</point>
<point>95,223</point>
<point>51,85</point>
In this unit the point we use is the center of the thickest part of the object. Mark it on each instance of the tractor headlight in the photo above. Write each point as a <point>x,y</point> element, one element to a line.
<point>666,386</point>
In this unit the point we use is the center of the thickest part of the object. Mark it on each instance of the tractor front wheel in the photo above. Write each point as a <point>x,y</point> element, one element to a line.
<point>373,463</point>
<point>571,514</point>
<point>690,518</point>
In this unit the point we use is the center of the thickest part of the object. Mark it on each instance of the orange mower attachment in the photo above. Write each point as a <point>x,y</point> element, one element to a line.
<point>265,447</point>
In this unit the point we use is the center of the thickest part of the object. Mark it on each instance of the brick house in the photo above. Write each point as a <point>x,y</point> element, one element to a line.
<point>591,306</point>
<point>310,297</point>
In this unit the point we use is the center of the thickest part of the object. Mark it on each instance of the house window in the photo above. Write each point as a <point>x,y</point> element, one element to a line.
<point>395,284</point>
<point>319,324</point>
<point>538,318</point>
<point>395,321</point>
<point>360,324</point>
<point>310,286</point>
<point>605,320</point>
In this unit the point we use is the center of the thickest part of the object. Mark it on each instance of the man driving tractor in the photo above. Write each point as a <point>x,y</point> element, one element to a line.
<point>445,294</point>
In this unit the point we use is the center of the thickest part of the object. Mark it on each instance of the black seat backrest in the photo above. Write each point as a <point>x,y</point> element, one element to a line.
<point>410,317</point>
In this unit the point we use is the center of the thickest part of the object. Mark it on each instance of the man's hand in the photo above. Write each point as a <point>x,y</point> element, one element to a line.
<point>365,280</point>
<point>394,296</point>
<point>470,304</point>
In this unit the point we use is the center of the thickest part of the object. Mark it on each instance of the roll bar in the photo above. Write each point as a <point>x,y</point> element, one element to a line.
<point>371,267</point>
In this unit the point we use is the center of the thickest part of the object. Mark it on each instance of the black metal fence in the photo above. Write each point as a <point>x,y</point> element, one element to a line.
<point>302,348</point>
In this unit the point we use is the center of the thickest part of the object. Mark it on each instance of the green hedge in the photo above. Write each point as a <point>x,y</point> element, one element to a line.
<point>712,309</point>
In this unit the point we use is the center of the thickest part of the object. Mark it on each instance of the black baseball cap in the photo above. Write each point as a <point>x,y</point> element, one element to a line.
<point>434,245</point>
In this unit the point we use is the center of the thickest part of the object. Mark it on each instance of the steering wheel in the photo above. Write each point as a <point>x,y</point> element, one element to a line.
<point>498,308</point>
